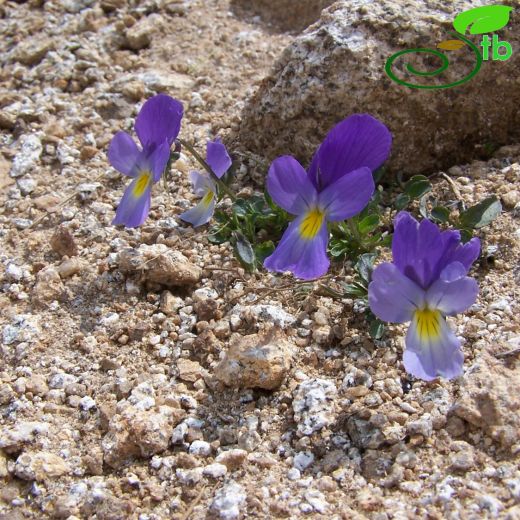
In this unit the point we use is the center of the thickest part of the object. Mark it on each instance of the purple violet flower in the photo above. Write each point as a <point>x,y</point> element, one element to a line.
<point>156,126</point>
<point>204,186</point>
<point>337,186</point>
<point>425,283</point>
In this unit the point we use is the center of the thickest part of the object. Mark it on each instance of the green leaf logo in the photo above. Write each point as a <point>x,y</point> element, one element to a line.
<point>482,20</point>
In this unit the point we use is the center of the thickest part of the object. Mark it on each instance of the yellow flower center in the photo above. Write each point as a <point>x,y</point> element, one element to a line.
<point>142,184</point>
<point>206,200</point>
<point>312,223</point>
<point>428,324</point>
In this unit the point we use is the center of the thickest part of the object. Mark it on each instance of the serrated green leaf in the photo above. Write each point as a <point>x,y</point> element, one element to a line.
<point>417,186</point>
<point>481,214</point>
<point>401,201</point>
<point>440,214</point>
<point>483,19</point>
<point>368,224</point>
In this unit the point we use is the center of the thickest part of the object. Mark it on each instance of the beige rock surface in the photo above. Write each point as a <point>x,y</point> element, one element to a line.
<point>336,68</point>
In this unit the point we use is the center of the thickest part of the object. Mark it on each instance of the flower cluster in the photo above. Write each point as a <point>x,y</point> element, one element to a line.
<point>426,282</point>
<point>337,186</point>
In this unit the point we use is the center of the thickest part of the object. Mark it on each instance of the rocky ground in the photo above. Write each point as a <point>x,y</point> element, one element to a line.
<point>140,372</point>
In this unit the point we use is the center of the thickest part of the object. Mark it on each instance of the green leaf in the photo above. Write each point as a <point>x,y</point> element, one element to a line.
<point>465,235</point>
<point>368,224</point>
<point>263,250</point>
<point>483,19</point>
<point>376,328</point>
<point>440,214</point>
<point>378,174</point>
<point>402,201</point>
<point>417,186</point>
<point>243,250</point>
<point>355,290</point>
<point>240,207</point>
<point>481,214</point>
<point>365,266</point>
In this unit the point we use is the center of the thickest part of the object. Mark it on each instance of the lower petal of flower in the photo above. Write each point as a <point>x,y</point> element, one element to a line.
<point>432,350</point>
<point>202,212</point>
<point>135,204</point>
<point>302,249</point>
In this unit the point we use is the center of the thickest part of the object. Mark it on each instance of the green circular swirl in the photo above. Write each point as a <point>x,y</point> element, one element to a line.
<point>445,64</point>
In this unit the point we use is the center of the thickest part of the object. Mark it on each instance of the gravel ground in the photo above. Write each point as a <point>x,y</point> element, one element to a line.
<point>140,372</point>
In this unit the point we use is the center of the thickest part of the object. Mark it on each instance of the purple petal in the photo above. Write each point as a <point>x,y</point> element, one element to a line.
<point>348,195</point>
<point>135,204</point>
<point>466,254</point>
<point>158,159</point>
<point>452,297</point>
<point>159,120</point>
<point>202,212</point>
<point>289,186</point>
<point>305,258</point>
<point>392,296</point>
<point>416,248</point>
<point>360,140</point>
<point>123,154</point>
<point>217,157</point>
<point>432,350</point>
<point>201,183</point>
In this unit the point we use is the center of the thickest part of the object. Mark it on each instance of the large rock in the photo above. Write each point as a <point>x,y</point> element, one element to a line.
<point>337,68</point>
<point>281,14</point>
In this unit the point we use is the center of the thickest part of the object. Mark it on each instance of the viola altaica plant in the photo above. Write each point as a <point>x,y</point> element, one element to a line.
<point>337,186</point>
<point>426,282</point>
<point>157,127</point>
<point>204,186</point>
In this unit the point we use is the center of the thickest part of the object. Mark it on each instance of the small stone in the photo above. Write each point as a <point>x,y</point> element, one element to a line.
<point>232,459</point>
<point>317,500</point>
<point>422,426</point>
<point>159,264</point>
<point>40,466</point>
<point>215,470</point>
<point>13,439</point>
<point>139,35</point>
<point>256,361</point>
<point>62,242</point>
<point>37,385</point>
<point>511,199</point>
<point>28,157</point>
<point>70,267</point>
<point>26,185</point>
<point>313,405</point>
<point>189,370</point>
<point>228,501</point>
<point>303,460</point>
<point>200,448</point>
<point>48,286</point>
<point>32,50</point>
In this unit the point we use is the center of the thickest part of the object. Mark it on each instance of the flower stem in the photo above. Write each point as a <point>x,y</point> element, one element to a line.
<point>221,184</point>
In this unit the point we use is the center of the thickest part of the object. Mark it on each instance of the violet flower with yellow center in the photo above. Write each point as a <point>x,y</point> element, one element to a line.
<point>426,282</point>
<point>204,186</point>
<point>337,186</point>
<point>156,126</point>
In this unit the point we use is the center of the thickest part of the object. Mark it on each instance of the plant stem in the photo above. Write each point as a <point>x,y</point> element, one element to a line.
<point>221,184</point>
